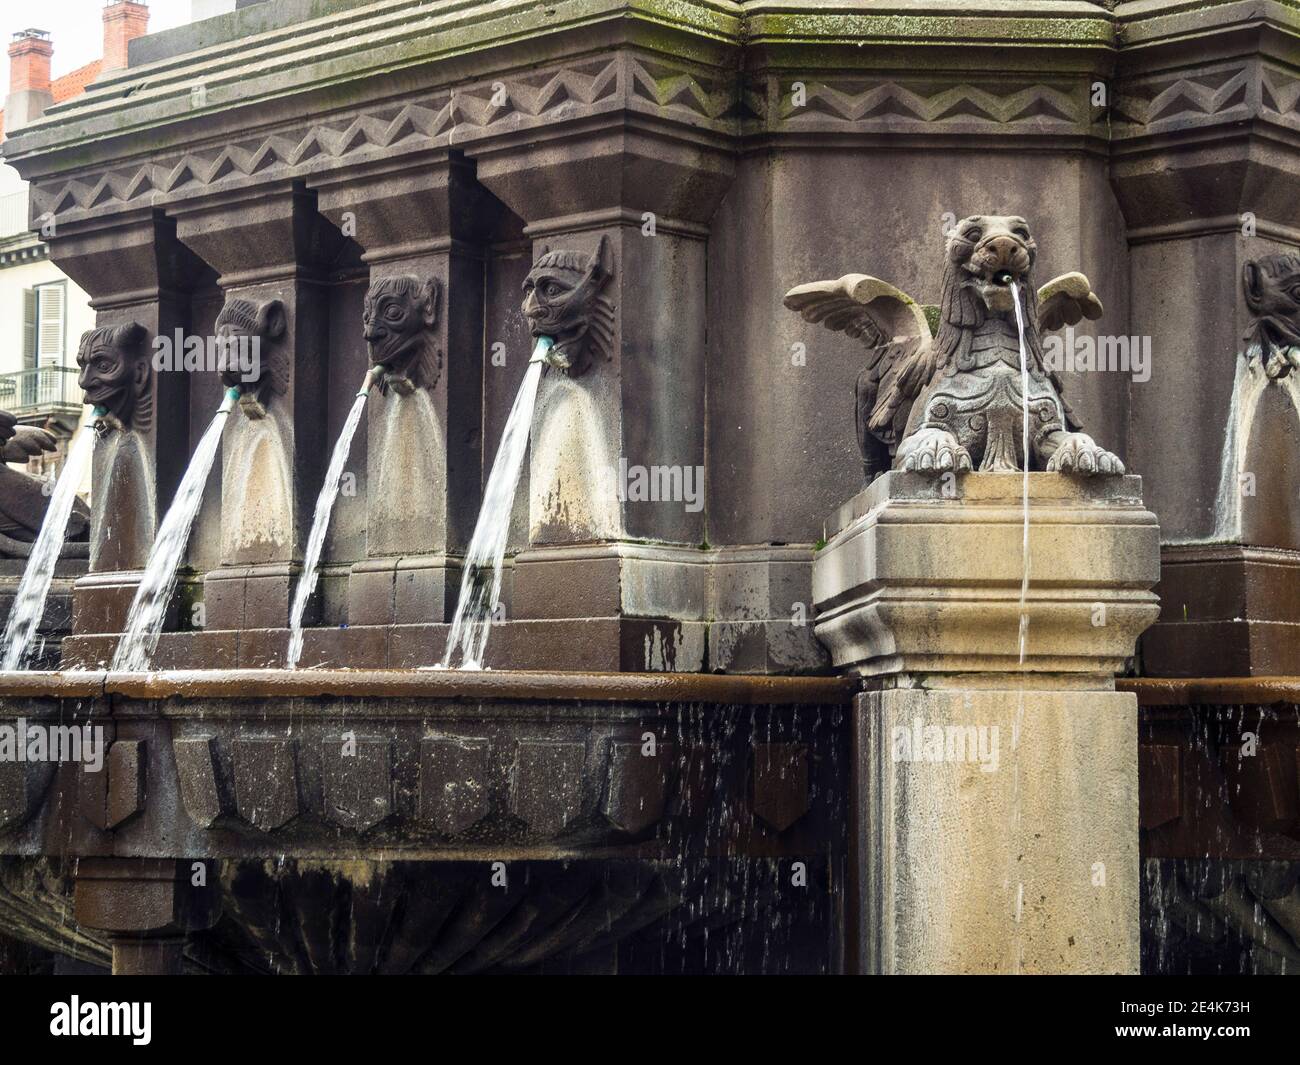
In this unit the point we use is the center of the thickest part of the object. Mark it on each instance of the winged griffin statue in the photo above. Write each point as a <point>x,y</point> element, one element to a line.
<point>952,400</point>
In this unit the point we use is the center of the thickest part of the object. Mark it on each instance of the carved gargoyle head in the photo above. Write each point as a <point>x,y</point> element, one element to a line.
<point>1272,287</point>
<point>398,318</point>
<point>563,301</point>
<point>116,374</point>
<point>250,354</point>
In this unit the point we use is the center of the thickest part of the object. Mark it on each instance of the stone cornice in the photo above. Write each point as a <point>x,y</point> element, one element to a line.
<point>398,80</point>
<point>355,55</point>
<point>785,25</point>
<point>21,252</point>
<point>349,56</point>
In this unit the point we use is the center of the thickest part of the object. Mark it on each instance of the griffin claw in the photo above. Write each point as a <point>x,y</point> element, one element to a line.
<point>935,451</point>
<point>1079,453</point>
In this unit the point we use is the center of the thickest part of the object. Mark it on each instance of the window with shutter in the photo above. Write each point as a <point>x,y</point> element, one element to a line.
<point>50,307</point>
<point>29,328</point>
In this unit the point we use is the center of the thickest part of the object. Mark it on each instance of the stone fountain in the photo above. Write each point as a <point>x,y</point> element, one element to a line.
<point>682,755</point>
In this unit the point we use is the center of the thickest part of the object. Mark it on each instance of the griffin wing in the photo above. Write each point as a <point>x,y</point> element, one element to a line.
<point>1066,300</point>
<point>900,353</point>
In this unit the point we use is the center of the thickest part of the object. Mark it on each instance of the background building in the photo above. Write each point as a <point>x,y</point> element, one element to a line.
<point>42,311</point>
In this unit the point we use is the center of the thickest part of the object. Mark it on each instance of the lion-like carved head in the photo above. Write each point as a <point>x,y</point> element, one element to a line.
<point>563,301</point>
<point>1272,288</point>
<point>398,319</point>
<point>116,374</point>
<point>985,255</point>
<point>249,351</point>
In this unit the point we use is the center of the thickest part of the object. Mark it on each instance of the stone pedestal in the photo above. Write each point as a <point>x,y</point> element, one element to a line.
<point>136,272</point>
<point>421,216</point>
<point>996,801</point>
<point>642,201</point>
<point>274,246</point>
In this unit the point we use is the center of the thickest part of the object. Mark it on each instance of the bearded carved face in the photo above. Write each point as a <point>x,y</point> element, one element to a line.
<point>249,355</point>
<point>116,374</point>
<point>1272,288</point>
<point>398,319</point>
<point>988,253</point>
<point>563,301</point>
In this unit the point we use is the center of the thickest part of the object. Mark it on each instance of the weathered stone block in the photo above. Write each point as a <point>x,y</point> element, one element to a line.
<point>266,782</point>
<point>454,782</point>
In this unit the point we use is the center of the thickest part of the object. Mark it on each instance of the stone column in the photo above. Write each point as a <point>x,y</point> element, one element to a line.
<point>136,273</point>
<point>422,222</point>
<point>146,907</point>
<point>995,803</point>
<point>271,246</point>
<point>610,441</point>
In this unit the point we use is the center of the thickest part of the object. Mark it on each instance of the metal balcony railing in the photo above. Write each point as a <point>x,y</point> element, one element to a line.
<point>46,388</point>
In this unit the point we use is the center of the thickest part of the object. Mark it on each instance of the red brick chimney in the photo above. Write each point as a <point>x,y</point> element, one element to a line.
<point>29,78</point>
<point>124,21</point>
<point>29,61</point>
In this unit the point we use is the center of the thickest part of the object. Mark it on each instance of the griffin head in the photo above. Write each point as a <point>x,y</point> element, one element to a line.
<point>986,254</point>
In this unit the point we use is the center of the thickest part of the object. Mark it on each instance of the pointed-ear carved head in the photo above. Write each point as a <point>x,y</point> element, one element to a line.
<point>563,301</point>
<point>398,318</point>
<point>249,350</point>
<point>986,253</point>
<point>116,374</point>
<point>1272,289</point>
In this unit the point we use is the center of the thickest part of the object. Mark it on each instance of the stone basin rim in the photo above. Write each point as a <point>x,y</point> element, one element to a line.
<point>1211,691</point>
<point>732,689</point>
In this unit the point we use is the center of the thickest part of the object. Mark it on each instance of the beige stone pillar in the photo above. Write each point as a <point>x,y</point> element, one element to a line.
<point>996,802</point>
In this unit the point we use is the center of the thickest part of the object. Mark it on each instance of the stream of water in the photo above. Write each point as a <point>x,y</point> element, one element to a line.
<point>481,584</point>
<point>1019,908</point>
<point>29,603</point>
<point>144,622</point>
<point>1024,475</point>
<point>320,522</point>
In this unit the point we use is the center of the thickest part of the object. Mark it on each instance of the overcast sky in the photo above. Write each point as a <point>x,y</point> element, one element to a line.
<point>76,27</point>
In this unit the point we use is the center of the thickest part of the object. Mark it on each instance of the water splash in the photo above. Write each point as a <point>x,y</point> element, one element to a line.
<point>320,522</point>
<point>481,585</point>
<point>1248,387</point>
<point>1024,475</point>
<point>29,603</point>
<point>144,622</point>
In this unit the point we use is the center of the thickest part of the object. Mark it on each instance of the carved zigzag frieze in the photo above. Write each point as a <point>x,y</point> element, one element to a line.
<point>1212,95</point>
<point>482,106</point>
<point>691,96</point>
<point>281,152</point>
<point>669,88</point>
<point>470,113</point>
<point>862,104</point>
<point>1280,93</point>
